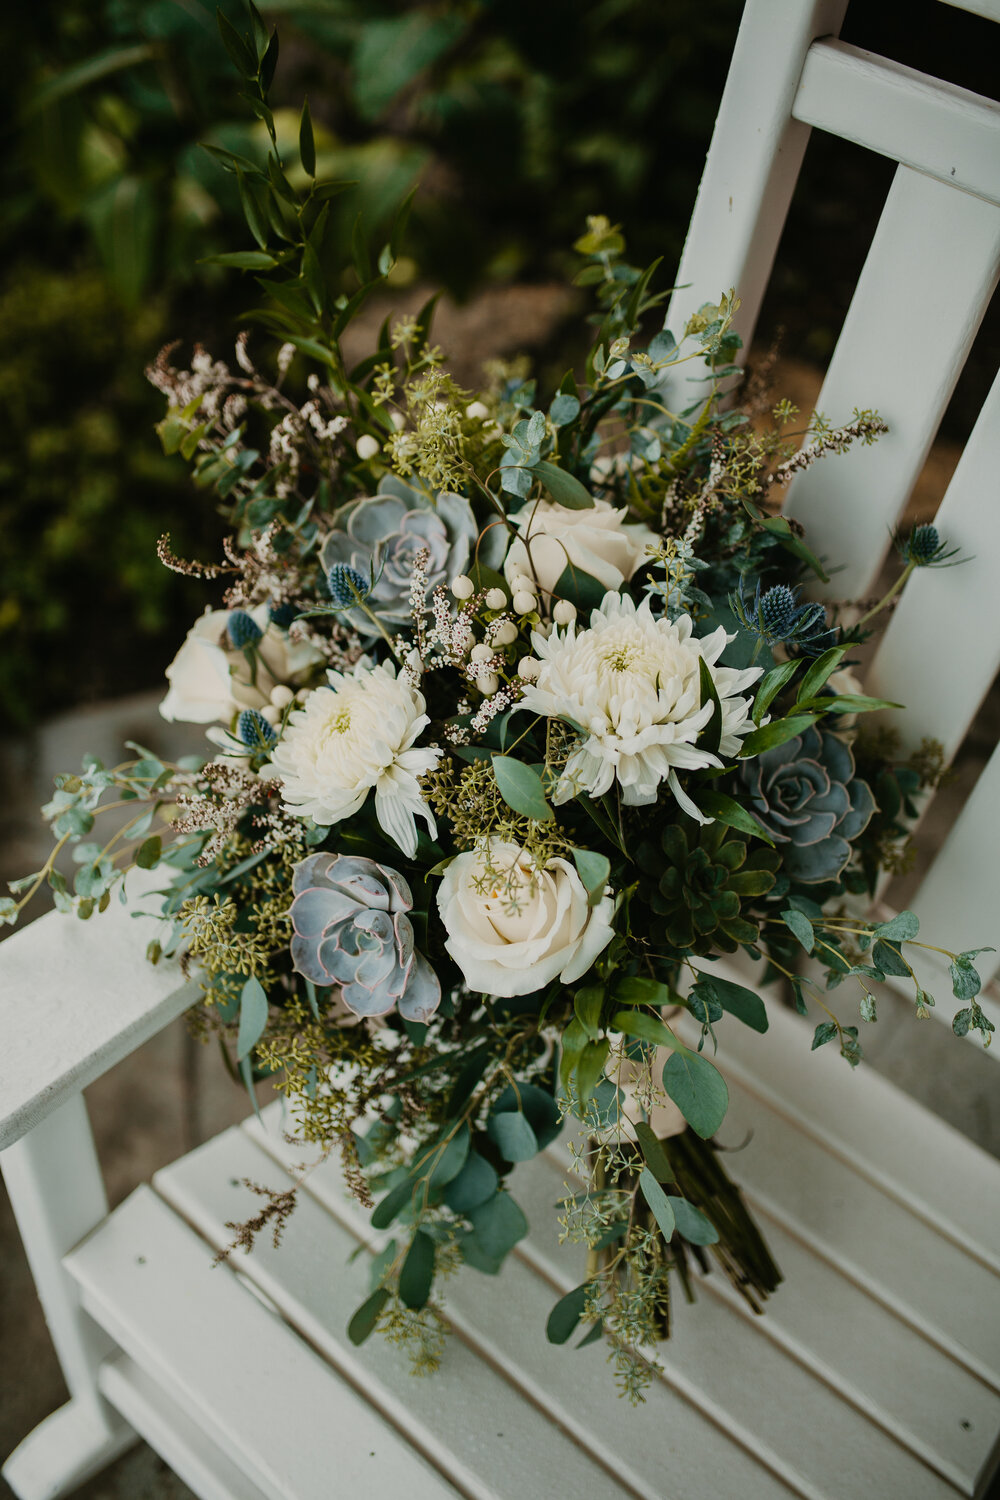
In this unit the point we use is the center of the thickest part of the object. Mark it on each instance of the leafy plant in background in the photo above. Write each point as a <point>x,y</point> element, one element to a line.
<point>459,870</point>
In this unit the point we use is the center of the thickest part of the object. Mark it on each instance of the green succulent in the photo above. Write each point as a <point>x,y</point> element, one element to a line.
<point>700,881</point>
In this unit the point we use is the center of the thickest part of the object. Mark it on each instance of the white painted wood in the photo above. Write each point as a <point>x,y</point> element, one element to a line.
<point>940,129</point>
<point>63,1452</point>
<point>959,896</point>
<point>929,275</point>
<point>923,1411</point>
<point>276,1410</point>
<point>75,998</point>
<point>465,1417</point>
<point>793,1421</point>
<point>922,1276</point>
<point>751,169</point>
<point>941,650</point>
<point>178,1440</point>
<point>57,1194</point>
<point>940,1411</point>
<point>988,8</point>
<point>671,1450</point>
<point>885,1136</point>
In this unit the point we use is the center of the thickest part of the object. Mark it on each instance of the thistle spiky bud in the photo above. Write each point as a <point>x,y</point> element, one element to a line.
<point>254,730</point>
<point>346,585</point>
<point>243,629</point>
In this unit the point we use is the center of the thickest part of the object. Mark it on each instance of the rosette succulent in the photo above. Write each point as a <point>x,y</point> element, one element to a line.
<point>698,882</point>
<point>380,535</point>
<point>352,928</point>
<point>808,798</point>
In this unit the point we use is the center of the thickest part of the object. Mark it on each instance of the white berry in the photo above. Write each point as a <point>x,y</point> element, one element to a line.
<point>482,653</point>
<point>524,602</point>
<point>477,409</point>
<point>281,696</point>
<point>564,612</point>
<point>505,634</point>
<point>488,683</point>
<point>463,587</point>
<point>496,599</point>
<point>368,446</point>
<point>528,668</point>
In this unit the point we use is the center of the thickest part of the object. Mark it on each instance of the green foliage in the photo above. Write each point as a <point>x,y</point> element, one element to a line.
<point>703,881</point>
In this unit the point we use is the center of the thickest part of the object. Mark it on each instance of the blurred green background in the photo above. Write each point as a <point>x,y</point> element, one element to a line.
<point>517,119</point>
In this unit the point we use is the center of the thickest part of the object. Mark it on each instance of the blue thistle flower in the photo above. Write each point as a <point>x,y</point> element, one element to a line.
<point>243,629</point>
<point>776,617</point>
<point>923,547</point>
<point>283,615</point>
<point>346,585</point>
<point>254,730</point>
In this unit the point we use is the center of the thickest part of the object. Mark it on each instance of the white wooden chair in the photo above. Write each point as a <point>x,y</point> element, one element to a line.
<point>876,1370</point>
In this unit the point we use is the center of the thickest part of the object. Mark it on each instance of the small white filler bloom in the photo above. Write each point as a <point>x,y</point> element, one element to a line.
<point>354,737</point>
<point>513,927</point>
<point>632,683</point>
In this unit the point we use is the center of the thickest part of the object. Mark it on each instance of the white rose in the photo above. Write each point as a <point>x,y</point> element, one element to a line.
<point>513,928</point>
<point>600,541</point>
<point>210,680</point>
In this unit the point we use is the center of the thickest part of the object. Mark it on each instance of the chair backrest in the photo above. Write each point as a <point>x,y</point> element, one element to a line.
<point>929,275</point>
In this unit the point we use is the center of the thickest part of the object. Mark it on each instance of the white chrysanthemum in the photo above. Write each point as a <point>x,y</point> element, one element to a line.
<point>632,683</point>
<point>354,737</point>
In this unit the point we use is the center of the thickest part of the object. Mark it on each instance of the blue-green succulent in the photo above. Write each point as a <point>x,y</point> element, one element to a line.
<point>806,794</point>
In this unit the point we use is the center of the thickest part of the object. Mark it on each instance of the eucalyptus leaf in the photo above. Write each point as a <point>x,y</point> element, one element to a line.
<point>253,1018</point>
<point>644,1027</point>
<point>521,788</point>
<point>475,1183</point>
<point>564,1318</point>
<point>364,1321</point>
<point>513,1135</point>
<point>564,488</point>
<point>594,870</point>
<point>658,1202</point>
<point>696,1227</point>
<point>800,927</point>
<point>744,1004</point>
<point>652,1149</point>
<point>498,1224</point>
<point>417,1274</point>
<point>698,1089</point>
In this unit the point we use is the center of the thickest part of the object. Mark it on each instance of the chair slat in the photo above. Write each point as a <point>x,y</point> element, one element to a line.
<point>713,1345</point>
<point>673,1451</point>
<point>957,898</point>
<point>752,166</point>
<point>229,1363</point>
<point>178,1440</point>
<point>948,132</point>
<point>872,1125</point>
<point>928,278</point>
<point>819,1443</point>
<point>923,1277</point>
<point>988,8</point>
<point>77,997</point>
<point>490,1437</point>
<point>941,649</point>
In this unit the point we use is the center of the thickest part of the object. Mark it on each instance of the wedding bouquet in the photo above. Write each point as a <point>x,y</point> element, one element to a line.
<point>517,724</point>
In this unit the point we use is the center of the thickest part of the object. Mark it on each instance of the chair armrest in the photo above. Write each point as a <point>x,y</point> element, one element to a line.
<point>75,998</point>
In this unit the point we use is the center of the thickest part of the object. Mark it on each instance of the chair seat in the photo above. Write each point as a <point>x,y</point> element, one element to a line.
<point>875,1371</point>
